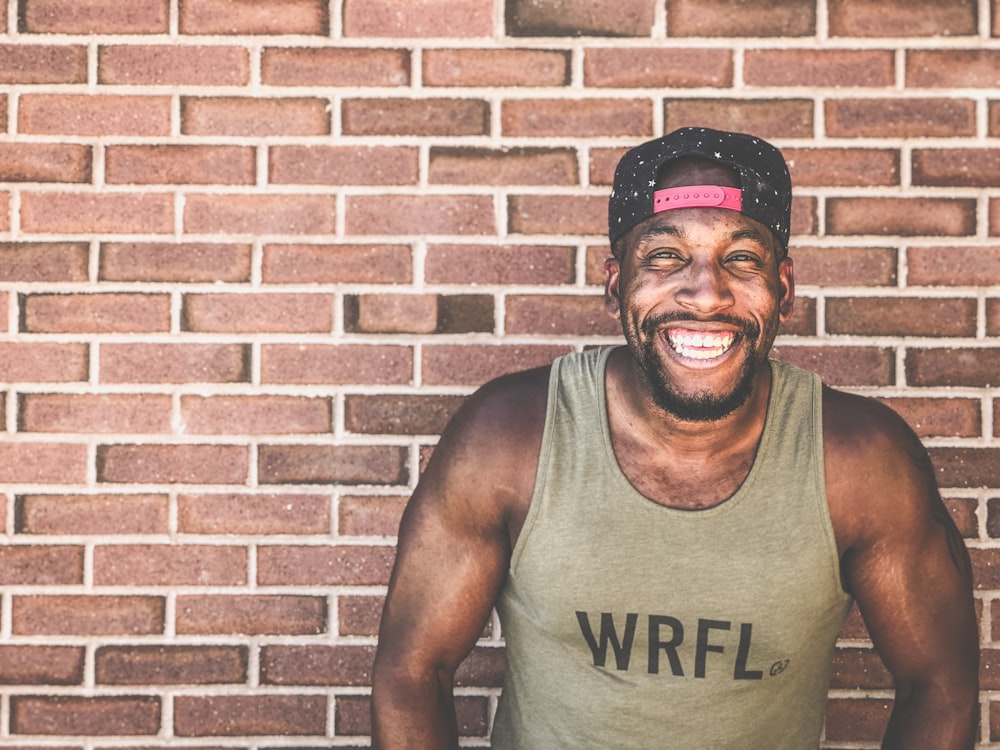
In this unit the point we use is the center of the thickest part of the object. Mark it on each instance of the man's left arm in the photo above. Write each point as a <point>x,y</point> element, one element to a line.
<point>909,571</point>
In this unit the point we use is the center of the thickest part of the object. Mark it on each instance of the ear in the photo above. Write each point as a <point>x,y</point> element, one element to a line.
<point>612,301</point>
<point>786,287</point>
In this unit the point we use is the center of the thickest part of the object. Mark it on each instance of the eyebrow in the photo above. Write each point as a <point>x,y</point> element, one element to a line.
<point>670,230</point>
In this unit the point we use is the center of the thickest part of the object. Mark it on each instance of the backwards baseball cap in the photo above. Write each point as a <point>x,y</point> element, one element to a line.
<point>764,194</point>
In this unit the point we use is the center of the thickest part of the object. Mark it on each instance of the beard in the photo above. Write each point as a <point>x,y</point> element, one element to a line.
<point>703,406</point>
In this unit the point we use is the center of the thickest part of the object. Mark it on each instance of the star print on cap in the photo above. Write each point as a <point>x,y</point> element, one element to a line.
<point>760,168</point>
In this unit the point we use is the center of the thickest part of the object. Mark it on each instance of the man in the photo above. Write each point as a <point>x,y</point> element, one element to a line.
<point>673,531</point>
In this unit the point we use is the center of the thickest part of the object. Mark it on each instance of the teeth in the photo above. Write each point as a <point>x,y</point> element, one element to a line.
<point>700,345</point>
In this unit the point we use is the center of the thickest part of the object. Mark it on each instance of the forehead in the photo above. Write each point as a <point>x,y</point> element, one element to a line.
<point>695,224</point>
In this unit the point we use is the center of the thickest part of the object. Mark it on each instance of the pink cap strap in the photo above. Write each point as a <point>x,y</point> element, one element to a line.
<point>698,196</point>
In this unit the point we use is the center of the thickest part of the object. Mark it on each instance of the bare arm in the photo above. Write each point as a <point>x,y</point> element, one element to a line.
<point>454,546</point>
<point>907,566</point>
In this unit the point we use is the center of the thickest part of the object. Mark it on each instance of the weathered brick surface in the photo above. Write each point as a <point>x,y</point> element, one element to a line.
<point>254,254</point>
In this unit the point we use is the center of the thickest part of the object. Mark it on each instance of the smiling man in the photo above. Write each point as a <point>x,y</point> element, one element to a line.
<point>673,531</point>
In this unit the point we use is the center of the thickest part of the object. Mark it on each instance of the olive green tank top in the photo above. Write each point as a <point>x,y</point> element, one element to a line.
<point>632,625</point>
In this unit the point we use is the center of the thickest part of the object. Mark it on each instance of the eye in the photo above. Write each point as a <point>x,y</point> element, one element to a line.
<point>744,257</point>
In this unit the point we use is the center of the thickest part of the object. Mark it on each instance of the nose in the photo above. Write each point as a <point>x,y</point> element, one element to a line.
<point>705,288</point>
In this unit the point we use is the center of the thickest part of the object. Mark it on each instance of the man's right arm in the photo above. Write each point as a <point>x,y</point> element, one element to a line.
<point>454,546</point>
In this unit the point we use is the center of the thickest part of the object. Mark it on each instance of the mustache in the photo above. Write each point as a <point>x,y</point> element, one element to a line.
<point>749,329</point>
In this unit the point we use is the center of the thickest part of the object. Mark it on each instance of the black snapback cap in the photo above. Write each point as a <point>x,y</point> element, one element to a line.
<point>765,191</point>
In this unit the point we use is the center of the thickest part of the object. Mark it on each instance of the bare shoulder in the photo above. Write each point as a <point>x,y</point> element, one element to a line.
<point>488,454</point>
<point>880,481</point>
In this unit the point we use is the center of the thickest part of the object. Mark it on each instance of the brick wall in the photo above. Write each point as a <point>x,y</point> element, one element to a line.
<point>253,254</point>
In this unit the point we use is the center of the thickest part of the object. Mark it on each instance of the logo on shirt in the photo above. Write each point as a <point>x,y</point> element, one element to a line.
<point>665,636</point>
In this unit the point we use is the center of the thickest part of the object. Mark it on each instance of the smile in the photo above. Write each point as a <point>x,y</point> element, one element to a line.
<point>700,344</point>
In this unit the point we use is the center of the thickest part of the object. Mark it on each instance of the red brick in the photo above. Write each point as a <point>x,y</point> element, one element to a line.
<point>856,719</point>
<point>964,512</point>
<point>251,615</point>
<point>433,214</point>
<point>41,665</point>
<point>170,665</point>
<point>174,363</point>
<point>861,167</point>
<point>392,313</point>
<point>803,321</point>
<point>183,464</point>
<point>967,467</point>
<point>595,18</point>
<point>97,213</point>
<point>418,18</point>
<point>331,66</point>
<point>900,18</point>
<point>384,364</point>
<point>103,514</point>
<point>510,166</point>
<point>88,615</point>
<point>254,17</point>
<point>169,565</point>
<point>348,264</point>
<point>239,715</point>
<point>484,666</point>
<point>975,368</point>
<point>843,365</point>
<point>577,118</point>
<point>466,313</point>
<point>359,614</point>
<point>94,17</point>
<point>994,217</point>
<point>95,313</point>
<point>499,264</point>
<point>342,165</point>
<point>993,530</point>
<point>344,565</point>
<point>43,463</point>
<point>819,68</point>
<point>349,666</point>
<point>166,165</point>
<point>933,417</point>
<point>180,65</point>
<point>985,568</point>
<point>901,316</point>
<point>952,68</point>
<point>42,362</point>
<point>88,717</point>
<point>719,18</point>
<point>767,118</point>
<point>656,67</point>
<point>45,162</point>
<point>844,266</point>
<point>43,261</point>
<point>884,117</point>
<point>188,261</point>
<point>399,414</point>
<point>272,313</point>
<point>474,364</point>
<point>93,114</point>
<point>907,217</point>
<point>43,63</point>
<point>425,117</point>
<point>992,317</point>
<point>253,514</point>
<point>953,266</point>
<point>559,315</point>
<point>366,515</point>
<point>40,565</point>
<point>259,214</point>
<point>332,464</point>
<point>493,68</point>
<point>557,214</point>
<point>240,116</point>
<point>956,167</point>
<point>95,413</point>
<point>255,415</point>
